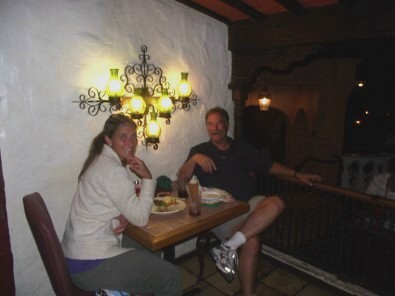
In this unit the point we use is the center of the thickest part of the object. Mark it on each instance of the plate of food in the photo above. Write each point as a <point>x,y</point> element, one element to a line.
<point>167,205</point>
<point>213,195</point>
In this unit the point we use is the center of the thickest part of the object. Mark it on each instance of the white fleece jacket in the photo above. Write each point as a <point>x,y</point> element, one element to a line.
<point>105,191</point>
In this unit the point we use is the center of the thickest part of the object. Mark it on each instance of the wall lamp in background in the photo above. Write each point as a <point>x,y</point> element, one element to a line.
<point>143,93</point>
<point>264,99</point>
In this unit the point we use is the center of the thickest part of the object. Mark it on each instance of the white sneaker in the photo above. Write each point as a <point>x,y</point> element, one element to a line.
<point>226,260</point>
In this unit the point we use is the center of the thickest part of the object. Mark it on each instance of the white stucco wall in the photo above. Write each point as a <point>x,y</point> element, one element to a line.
<point>51,51</point>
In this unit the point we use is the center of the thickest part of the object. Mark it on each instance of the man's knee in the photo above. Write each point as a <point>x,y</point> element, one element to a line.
<point>275,203</point>
<point>278,203</point>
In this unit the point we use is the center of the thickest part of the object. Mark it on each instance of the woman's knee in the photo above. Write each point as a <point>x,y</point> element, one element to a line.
<point>172,280</point>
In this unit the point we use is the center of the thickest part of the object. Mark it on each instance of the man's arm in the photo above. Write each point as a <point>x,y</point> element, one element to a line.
<point>187,169</point>
<point>279,169</point>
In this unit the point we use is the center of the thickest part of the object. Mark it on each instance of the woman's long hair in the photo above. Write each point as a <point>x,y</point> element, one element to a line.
<point>110,126</point>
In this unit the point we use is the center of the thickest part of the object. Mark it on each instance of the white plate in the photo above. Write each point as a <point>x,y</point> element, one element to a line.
<point>213,194</point>
<point>171,209</point>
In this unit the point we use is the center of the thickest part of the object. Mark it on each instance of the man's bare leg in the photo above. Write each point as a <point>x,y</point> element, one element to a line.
<point>248,236</point>
<point>262,217</point>
<point>248,265</point>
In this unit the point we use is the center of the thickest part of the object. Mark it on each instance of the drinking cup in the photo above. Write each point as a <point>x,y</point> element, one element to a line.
<point>182,184</point>
<point>174,189</point>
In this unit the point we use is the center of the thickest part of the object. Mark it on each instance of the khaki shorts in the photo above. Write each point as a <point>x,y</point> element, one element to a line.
<point>226,230</point>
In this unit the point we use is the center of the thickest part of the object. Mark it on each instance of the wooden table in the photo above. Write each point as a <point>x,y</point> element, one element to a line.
<point>164,231</point>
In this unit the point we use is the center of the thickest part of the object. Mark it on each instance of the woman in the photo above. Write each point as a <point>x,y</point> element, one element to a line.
<point>103,204</point>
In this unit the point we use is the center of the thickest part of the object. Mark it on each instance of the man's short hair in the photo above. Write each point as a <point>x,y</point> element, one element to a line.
<point>221,111</point>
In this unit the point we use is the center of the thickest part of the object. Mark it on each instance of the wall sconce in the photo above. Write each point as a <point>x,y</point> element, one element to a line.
<point>143,93</point>
<point>264,99</point>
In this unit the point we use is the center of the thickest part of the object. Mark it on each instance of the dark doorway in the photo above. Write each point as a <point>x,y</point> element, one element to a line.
<point>265,130</point>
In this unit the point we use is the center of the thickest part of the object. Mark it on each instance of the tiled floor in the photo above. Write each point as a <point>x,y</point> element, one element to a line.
<point>274,279</point>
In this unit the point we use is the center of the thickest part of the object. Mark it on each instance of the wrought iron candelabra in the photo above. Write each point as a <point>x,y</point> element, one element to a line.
<point>143,93</point>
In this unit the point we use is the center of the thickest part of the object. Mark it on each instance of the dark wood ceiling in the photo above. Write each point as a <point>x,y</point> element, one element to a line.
<point>230,11</point>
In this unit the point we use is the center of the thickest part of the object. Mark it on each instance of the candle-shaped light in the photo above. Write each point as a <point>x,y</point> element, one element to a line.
<point>184,88</point>
<point>165,105</point>
<point>152,130</point>
<point>264,103</point>
<point>114,86</point>
<point>137,105</point>
<point>264,99</point>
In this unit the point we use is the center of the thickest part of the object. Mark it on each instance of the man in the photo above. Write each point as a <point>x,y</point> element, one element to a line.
<point>228,165</point>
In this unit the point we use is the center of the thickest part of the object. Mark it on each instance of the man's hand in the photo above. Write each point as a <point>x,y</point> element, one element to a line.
<point>308,179</point>
<point>205,162</point>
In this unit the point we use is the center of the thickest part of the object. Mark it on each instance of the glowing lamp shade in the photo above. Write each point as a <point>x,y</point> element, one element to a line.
<point>114,85</point>
<point>137,105</point>
<point>165,105</point>
<point>264,103</point>
<point>152,130</point>
<point>184,88</point>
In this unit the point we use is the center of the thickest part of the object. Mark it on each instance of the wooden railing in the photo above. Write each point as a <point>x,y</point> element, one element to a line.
<point>345,233</point>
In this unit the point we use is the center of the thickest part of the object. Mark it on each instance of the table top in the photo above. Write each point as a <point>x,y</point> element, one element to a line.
<point>166,230</point>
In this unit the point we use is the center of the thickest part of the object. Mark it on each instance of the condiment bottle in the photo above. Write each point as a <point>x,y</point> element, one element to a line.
<point>194,197</point>
<point>193,185</point>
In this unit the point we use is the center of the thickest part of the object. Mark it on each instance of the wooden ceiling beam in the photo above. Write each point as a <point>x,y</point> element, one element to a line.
<point>293,6</point>
<point>205,11</point>
<point>245,9</point>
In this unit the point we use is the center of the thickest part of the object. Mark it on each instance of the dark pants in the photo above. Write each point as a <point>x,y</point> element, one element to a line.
<point>135,271</point>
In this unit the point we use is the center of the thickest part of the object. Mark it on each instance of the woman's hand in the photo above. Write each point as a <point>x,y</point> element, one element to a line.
<point>122,224</point>
<point>138,167</point>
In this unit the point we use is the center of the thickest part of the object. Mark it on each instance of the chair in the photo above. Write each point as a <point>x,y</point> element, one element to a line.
<point>49,246</point>
<point>51,251</point>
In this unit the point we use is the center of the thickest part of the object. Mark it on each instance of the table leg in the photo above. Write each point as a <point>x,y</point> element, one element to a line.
<point>202,242</point>
<point>169,254</point>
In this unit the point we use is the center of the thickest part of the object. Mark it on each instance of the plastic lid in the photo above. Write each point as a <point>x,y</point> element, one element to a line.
<point>194,180</point>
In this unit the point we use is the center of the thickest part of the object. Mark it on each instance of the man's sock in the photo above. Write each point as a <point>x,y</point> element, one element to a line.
<point>236,240</point>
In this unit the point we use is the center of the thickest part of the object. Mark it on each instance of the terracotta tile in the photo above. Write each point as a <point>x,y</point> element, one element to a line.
<point>284,282</point>
<point>222,285</point>
<point>157,229</point>
<point>175,223</point>
<point>264,267</point>
<point>203,289</point>
<point>188,278</point>
<point>266,291</point>
<point>312,290</point>
<point>192,265</point>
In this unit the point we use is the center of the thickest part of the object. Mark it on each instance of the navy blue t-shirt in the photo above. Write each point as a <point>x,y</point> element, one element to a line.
<point>234,167</point>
